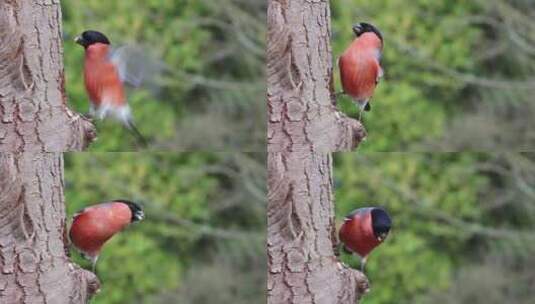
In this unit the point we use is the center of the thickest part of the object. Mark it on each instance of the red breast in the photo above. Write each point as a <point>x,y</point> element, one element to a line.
<point>357,232</point>
<point>97,224</point>
<point>359,66</point>
<point>102,80</point>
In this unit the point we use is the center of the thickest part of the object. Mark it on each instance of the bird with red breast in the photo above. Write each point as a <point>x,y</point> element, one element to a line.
<point>93,226</point>
<point>363,230</point>
<point>105,73</point>
<point>360,65</point>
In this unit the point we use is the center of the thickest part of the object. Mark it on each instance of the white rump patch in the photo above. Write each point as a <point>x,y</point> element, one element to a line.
<point>135,66</point>
<point>120,113</point>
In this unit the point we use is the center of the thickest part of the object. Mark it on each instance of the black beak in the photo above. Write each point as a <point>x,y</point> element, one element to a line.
<point>382,237</point>
<point>139,215</point>
<point>79,40</point>
<point>357,29</point>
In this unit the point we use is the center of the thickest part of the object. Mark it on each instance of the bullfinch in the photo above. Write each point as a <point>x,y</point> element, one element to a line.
<point>360,65</point>
<point>105,74</point>
<point>93,226</point>
<point>363,230</point>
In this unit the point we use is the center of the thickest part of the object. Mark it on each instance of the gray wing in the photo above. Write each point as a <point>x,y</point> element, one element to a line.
<point>135,66</point>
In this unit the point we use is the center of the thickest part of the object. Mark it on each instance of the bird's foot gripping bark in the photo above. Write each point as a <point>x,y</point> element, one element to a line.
<point>87,116</point>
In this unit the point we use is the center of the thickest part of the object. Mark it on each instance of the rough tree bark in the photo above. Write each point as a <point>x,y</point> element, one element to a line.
<point>34,117</point>
<point>33,111</point>
<point>301,98</point>
<point>304,127</point>
<point>303,267</point>
<point>34,262</point>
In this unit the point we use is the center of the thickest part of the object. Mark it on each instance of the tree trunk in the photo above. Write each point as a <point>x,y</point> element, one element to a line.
<point>33,111</point>
<point>301,98</point>
<point>33,237</point>
<point>34,117</point>
<point>304,127</point>
<point>303,267</point>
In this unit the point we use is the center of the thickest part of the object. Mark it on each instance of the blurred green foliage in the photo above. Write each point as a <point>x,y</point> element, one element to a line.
<point>456,216</point>
<point>197,206</point>
<point>419,250</point>
<point>212,73</point>
<point>458,77</point>
<point>453,213</point>
<point>458,74</point>
<point>413,101</point>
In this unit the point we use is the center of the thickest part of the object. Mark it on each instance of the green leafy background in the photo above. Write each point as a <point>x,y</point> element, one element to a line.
<point>205,219</point>
<point>209,95</point>
<point>455,80</point>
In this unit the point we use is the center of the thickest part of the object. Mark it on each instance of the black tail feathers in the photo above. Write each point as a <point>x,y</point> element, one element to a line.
<point>139,137</point>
